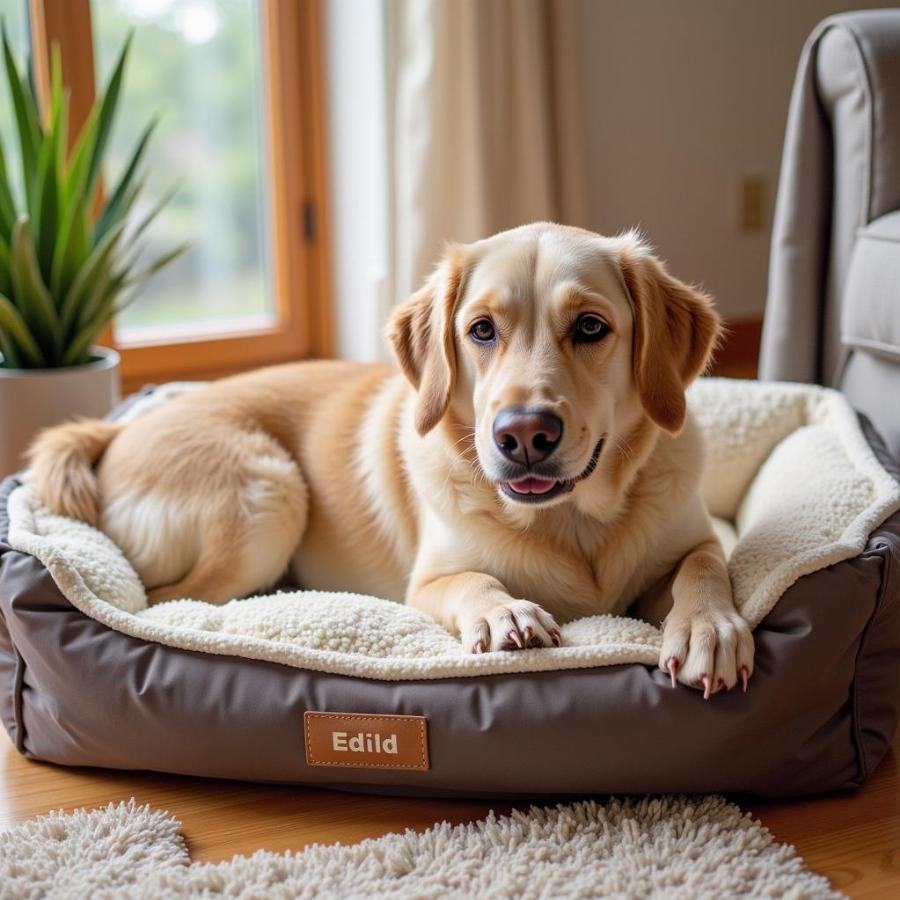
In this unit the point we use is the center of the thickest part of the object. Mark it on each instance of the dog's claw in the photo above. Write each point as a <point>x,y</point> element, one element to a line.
<point>530,639</point>
<point>745,677</point>
<point>672,669</point>
<point>479,647</point>
<point>556,637</point>
<point>707,686</point>
<point>515,638</point>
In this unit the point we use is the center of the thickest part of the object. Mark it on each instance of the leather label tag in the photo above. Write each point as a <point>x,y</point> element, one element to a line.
<point>358,741</point>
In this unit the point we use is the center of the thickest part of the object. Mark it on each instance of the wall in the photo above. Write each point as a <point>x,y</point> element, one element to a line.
<point>684,99</point>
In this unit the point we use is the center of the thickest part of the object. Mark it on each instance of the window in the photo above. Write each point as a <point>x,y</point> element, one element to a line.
<point>236,86</point>
<point>13,15</point>
<point>199,63</point>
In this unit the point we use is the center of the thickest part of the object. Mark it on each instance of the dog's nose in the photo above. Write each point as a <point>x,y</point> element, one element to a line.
<point>527,435</point>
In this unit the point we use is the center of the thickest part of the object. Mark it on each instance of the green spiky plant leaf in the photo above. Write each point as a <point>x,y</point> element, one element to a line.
<point>63,270</point>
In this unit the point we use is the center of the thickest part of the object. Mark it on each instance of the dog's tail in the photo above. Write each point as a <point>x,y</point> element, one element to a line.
<point>62,467</point>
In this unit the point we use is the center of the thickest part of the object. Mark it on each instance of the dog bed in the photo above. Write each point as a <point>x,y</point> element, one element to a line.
<point>356,692</point>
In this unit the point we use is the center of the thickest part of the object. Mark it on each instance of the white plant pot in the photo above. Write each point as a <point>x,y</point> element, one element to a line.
<point>32,399</point>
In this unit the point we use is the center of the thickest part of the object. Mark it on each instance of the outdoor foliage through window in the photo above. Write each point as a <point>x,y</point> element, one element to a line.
<point>197,64</point>
<point>12,13</point>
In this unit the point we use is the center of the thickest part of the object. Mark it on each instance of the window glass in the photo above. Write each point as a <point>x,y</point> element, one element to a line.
<point>197,64</point>
<point>14,16</point>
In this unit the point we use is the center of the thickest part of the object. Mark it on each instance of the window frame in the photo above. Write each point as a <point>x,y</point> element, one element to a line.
<point>294,90</point>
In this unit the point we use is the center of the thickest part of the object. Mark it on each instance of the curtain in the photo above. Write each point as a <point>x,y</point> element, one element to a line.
<point>483,124</point>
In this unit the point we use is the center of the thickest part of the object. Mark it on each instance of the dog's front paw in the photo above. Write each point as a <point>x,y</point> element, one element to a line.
<point>711,650</point>
<point>514,625</point>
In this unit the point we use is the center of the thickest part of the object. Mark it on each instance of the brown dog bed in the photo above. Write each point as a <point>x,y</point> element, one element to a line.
<point>345,691</point>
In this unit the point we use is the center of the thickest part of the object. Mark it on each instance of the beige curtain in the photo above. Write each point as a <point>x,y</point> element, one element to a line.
<point>483,106</point>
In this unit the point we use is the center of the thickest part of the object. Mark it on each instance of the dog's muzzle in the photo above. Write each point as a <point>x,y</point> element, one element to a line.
<point>533,488</point>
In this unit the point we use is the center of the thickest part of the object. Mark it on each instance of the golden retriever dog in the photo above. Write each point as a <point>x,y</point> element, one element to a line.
<point>534,462</point>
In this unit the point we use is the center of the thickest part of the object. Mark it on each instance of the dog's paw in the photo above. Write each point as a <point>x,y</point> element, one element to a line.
<point>515,625</point>
<point>711,650</point>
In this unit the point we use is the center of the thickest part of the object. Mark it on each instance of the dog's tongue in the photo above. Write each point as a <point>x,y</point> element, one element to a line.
<point>532,486</point>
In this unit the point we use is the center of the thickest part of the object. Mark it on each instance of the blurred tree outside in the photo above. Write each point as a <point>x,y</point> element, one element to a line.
<point>13,14</point>
<point>197,64</point>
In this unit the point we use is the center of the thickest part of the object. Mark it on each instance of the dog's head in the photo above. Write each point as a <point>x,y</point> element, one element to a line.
<point>553,344</point>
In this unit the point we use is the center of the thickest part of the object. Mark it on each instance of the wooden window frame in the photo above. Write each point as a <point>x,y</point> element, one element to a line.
<point>294,94</point>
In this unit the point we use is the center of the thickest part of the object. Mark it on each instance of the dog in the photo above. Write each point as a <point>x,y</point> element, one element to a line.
<point>533,462</point>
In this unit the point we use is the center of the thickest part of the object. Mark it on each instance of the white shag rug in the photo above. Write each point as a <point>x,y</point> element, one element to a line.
<point>669,847</point>
<point>787,466</point>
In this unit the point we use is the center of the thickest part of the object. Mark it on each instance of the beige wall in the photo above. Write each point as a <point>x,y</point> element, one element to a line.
<point>685,97</point>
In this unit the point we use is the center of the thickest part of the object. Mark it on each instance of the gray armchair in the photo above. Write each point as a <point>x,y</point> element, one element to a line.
<point>833,306</point>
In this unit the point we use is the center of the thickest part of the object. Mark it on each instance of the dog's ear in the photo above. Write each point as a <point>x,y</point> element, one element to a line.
<point>676,330</point>
<point>421,335</point>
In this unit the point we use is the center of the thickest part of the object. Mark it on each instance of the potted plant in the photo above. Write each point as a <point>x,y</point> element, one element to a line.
<point>68,262</point>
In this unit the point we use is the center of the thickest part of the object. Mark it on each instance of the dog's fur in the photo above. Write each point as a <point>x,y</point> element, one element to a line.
<point>363,480</point>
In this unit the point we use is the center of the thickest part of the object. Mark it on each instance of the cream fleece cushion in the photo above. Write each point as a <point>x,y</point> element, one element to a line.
<point>787,466</point>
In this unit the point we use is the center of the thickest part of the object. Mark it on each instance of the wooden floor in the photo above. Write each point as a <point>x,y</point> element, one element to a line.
<point>854,839</point>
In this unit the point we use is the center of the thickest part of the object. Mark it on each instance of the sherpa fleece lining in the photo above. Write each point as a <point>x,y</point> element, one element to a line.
<point>787,465</point>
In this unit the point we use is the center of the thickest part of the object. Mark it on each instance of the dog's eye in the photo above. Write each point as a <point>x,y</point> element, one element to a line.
<point>483,331</point>
<point>590,328</point>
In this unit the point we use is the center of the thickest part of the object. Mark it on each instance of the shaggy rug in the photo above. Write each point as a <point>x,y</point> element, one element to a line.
<point>669,847</point>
